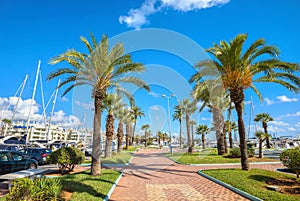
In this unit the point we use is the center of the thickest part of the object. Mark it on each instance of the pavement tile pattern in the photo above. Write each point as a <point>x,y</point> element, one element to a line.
<point>152,176</point>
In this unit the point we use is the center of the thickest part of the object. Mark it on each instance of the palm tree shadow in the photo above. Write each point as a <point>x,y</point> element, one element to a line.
<point>80,188</point>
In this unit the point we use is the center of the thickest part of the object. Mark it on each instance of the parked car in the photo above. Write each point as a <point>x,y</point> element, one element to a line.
<point>11,161</point>
<point>9,147</point>
<point>38,154</point>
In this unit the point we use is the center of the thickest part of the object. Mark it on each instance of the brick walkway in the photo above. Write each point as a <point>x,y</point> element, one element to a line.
<point>151,176</point>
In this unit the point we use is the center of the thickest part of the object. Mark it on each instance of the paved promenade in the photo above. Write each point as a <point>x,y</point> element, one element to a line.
<point>151,176</point>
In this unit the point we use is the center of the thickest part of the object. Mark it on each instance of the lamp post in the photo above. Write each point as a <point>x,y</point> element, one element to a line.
<point>169,117</point>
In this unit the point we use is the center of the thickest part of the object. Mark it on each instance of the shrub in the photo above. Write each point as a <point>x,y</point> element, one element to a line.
<point>66,158</point>
<point>34,190</point>
<point>291,159</point>
<point>236,153</point>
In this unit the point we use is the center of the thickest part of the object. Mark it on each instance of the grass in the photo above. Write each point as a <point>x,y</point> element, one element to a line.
<point>210,156</point>
<point>117,158</point>
<point>85,187</point>
<point>253,182</point>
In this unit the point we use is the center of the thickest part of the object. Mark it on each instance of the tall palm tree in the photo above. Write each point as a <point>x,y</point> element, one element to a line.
<point>203,130</point>
<point>145,127</point>
<point>239,69</point>
<point>188,108</point>
<point>120,114</point>
<point>264,118</point>
<point>192,124</point>
<point>101,68</point>
<point>128,127</point>
<point>112,103</point>
<point>201,92</point>
<point>136,113</point>
<point>178,115</point>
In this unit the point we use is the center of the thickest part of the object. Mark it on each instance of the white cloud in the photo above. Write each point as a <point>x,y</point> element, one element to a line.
<point>86,106</point>
<point>284,99</point>
<point>280,99</point>
<point>205,119</point>
<point>138,17</point>
<point>64,99</point>
<point>275,129</point>
<point>65,121</point>
<point>155,107</point>
<point>268,101</point>
<point>298,124</point>
<point>278,123</point>
<point>247,102</point>
<point>296,114</point>
<point>153,94</point>
<point>7,106</point>
<point>291,129</point>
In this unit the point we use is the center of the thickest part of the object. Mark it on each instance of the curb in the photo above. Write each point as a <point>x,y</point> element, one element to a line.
<point>238,191</point>
<point>113,188</point>
<point>226,164</point>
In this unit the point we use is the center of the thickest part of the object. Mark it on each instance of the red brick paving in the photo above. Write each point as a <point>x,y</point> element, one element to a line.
<point>151,176</point>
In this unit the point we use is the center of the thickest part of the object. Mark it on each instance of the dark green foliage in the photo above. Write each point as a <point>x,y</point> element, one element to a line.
<point>236,153</point>
<point>291,159</point>
<point>66,158</point>
<point>34,190</point>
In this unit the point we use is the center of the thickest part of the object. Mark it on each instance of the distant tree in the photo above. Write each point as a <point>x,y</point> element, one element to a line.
<point>188,109</point>
<point>145,127</point>
<point>264,118</point>
<point>192,124</point>
<point>203,130</point>
<point>178,115</point>
<point>136,112</point>
<point>261,136</point>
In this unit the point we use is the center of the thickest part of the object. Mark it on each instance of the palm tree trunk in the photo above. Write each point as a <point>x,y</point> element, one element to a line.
<point>127,135</point>
<point>229,127</point>
<point>133,131</point>
<point>219,125</point>
<point>260,154</point>
<point>109,135</point>
<point>190,146</point>
<point>242,134</point>
<point>96,152</point>
<point>225,141</point>
<point>230,140</point>
<point>146,138</point>
<point>120,135</point>
<point>203,140</point>
<point>180,133</point>
<point>265,126</point>
<point>192,130</point>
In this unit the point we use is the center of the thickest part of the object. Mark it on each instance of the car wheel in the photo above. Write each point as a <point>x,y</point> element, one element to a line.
<point>32,166</point>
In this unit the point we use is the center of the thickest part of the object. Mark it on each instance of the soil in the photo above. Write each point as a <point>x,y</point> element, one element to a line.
<point>288,186</point>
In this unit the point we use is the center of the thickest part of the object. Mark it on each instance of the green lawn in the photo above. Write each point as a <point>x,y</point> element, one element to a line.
<point>252,182</point>
<point>117,158</point>
<point>210,157</point>
<point>85,187</point>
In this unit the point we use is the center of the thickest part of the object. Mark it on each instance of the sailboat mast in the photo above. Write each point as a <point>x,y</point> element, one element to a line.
<point>33,96</point>
<point>21,92</point>
<point>52,111</point>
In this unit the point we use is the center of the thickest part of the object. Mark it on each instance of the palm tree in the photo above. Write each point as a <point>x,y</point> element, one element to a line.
<point>136,113</point>
<point>192,124</point>
<point>188,108</point>
<point>203,130</point>
<point>112,103</point>
<point>102,69</point>
<point>178,115</point>
<point>264,118</point>
<point>229,127</point>
<point>145,127</point>
<point>6,122</point>
<point>261,136</point>
<point>128,127</point>
<point>239,69</point>
<point>201,92</point>
<point>120,114</point>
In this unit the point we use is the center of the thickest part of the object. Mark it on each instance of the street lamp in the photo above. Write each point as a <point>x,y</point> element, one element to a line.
<point>169,117</point>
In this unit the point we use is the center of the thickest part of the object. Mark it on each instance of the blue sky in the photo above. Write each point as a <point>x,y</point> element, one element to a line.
<point>33,30</point>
